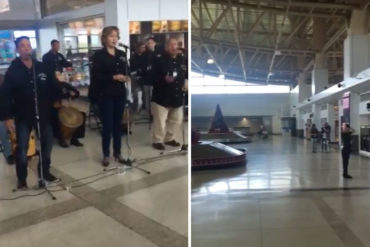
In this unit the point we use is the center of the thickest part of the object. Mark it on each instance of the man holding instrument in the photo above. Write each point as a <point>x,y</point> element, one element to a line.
<point>18,109</point>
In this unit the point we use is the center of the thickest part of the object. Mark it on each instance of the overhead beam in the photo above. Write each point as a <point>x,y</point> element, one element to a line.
<point>262,49</point>
<point>309,4</point>
<point>237,39</point>
<point>277,43</point>
<point>248,6</point>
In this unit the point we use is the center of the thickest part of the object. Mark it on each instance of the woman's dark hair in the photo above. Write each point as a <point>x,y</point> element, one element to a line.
<point>19,39</point>
<point>106,32</point>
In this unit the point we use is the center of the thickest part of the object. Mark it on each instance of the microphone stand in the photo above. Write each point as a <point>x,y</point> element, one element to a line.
<point>38,127</point>
<point>129,162</point>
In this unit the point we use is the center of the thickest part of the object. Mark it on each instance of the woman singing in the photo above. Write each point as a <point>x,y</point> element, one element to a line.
<point>109,73</point>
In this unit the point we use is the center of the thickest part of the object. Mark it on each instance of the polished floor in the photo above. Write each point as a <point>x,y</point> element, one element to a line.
<point>285,196</point>
<point>125,208</point>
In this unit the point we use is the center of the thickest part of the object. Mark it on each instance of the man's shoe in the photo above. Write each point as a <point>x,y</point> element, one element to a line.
<point>158,146</point>
<point>50,178</point>
<point>63,144</point>
<point>119,159</point>
<point>10,160</point>
<point>347,176</point>
<point>41,184</point>
<point>173,143</point>
<point>22,185</point>
<point>105,162</point>
<point>76,142</point>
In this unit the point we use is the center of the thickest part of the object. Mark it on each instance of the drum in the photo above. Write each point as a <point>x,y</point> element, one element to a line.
<point>31,143</point>
<point>70,119</point>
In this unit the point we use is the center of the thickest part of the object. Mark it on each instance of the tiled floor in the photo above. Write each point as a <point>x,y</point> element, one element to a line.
<point>126,209</point>
<point>286,196</point>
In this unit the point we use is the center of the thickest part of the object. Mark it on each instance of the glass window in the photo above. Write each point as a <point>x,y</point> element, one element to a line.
<point>29,33</point>
<point>50,7</point>
<point>201,84</point>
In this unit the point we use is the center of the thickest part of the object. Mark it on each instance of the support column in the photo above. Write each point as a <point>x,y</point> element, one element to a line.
<point>304,90</point>
<point>316,119</point>
<point>331,120</point>
<point>116,14</point>
<point>320,75</point>
<point>300,124</point>
<point>356,45</point>
<point>355,120</point>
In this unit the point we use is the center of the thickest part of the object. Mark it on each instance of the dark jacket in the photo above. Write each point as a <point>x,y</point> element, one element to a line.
<point>150,57</point>
<point>168,94</point>
<point>104,67</point>
<point>17,93</point>
<point>138,67</point>
<point>346,140</point>
<point>55,62</point>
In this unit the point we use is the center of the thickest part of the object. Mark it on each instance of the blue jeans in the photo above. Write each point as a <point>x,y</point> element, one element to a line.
<point>4,139</point>
<point>111,113</point>
<point>23,134</point>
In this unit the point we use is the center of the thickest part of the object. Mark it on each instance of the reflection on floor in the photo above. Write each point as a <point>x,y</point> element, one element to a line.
<point>133,207</point>
<point>287,196</point>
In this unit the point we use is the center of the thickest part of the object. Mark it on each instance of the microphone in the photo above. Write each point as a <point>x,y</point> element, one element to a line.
<point>123,45</point>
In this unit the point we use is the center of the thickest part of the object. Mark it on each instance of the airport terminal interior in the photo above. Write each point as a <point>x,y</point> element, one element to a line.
<point>274,85</point>
<point>145,204</point>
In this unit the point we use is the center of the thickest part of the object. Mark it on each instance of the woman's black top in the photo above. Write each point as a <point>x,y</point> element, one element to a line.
<point>104,67</point>
<point>346,140</point>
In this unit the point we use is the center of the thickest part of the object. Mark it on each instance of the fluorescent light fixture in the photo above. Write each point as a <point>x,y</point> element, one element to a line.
<point>4,6</point>
<point>210,61</point>
<point>277,53</point>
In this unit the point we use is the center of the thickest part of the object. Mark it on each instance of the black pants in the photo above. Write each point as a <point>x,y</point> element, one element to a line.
<point>111,112</point>
<point>345,157</point>
<point>23,134</point>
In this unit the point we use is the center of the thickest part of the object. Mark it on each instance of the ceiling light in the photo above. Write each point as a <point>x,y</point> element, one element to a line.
<point>210,61</point>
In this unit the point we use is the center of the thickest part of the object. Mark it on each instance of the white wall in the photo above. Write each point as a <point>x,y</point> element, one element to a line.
<point>47,34</point>
<point>363,107</point>
<point>239,104</point>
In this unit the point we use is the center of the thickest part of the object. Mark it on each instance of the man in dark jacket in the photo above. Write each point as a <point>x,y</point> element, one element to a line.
<point>150,56</point>
<point>137,68</point>
<point>54,60</point>
<point>167,101</point>
<point>17,101</point>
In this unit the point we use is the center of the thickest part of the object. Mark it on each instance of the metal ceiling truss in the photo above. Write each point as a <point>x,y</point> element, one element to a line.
<point>261,40</point>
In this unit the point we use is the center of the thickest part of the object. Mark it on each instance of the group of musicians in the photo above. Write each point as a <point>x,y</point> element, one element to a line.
<point>163,80</point>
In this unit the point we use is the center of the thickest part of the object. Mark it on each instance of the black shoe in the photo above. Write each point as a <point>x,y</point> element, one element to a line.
<point>173,143</point>
<point>347,176</point>
<point>76,142</point>
<point>105,162</point>
<point>63,144</point>
<point>41,184</point>
<point>50,178</point>
<point>119,159</point>
<point>22,185</point>
<point>158,146</point>
<point>10,160</point>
